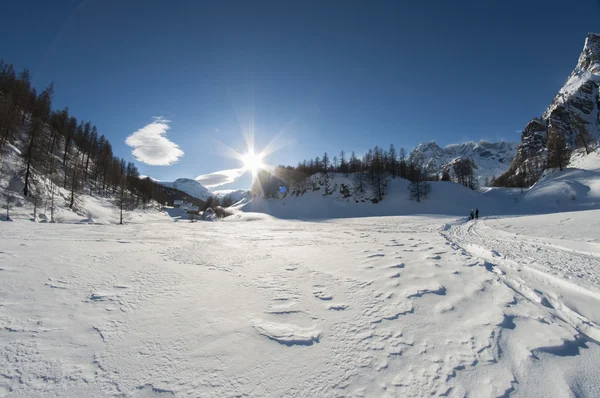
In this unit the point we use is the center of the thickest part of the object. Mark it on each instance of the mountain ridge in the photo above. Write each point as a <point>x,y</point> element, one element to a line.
<point>189,186</point>
<point>492,158</point>
<point>576,106</point>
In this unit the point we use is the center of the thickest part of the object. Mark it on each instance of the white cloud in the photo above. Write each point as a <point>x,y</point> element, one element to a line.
<point>220,177</point>
<point>150,146</point>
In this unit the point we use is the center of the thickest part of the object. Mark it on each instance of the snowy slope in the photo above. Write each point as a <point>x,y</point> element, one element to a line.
<point>189,186</point>
<point>87,209</point>
<point>492,159</point>
<point>575,188</point>
<point>445,198</point>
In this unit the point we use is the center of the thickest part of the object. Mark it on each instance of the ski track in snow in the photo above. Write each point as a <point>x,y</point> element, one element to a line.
<point>392,306</point>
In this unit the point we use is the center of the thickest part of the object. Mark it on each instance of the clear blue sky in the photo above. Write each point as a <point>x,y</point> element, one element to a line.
<point>332,74</point>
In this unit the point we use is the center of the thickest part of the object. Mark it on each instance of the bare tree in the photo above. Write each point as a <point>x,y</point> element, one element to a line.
<point>9,198</point>
<point>583,137</point>
<point>464,170</point>
<point>52,207</point>
<point>559,153</point>
<point>35,205</point>
<point>122,198</point>
<point>419,187</point>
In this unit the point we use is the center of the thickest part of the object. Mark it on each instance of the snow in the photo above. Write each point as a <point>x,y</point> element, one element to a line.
<point>323,296</point>
<point>258,306</point>
<point>236,195</point>
<point>87,209</point>
<point>573,189</point>
<point>445,198</point>
<point>189,186</point>
<point>492,159</point>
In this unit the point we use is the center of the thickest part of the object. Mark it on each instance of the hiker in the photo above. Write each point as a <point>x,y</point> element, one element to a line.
<point>477,213</point>
<point>471,214</point>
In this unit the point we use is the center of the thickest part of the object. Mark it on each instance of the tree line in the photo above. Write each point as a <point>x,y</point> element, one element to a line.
<point>368,172</point>
<point>59,148</point>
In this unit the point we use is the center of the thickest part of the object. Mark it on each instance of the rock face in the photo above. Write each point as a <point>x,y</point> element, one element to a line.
<point>577,102</point>
<point>492,159</point>
<point>578,98</point>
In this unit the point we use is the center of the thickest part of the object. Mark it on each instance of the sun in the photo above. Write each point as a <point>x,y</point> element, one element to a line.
<point>253,161</point>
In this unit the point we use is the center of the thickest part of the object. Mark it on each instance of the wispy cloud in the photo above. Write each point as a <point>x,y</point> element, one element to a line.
<point>220,177</point>
<point>150,146</point>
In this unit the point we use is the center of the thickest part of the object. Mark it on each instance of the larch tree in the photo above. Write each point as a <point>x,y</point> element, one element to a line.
<point>559,152</point>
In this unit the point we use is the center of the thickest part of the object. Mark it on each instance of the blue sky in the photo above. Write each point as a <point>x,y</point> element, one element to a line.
<point>322,76</point>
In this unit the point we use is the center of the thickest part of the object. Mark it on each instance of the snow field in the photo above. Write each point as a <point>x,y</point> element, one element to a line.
<point>388,306</point>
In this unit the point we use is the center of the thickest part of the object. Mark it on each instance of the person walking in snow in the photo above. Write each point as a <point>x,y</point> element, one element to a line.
<point>477,213</point>
<point>471,216</point>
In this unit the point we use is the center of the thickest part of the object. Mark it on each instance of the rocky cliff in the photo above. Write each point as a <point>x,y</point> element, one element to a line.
<point>492,158</point>
<point>576,104</point>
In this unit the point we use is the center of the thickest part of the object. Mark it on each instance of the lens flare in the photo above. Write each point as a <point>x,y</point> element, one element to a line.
<point>253,161</point>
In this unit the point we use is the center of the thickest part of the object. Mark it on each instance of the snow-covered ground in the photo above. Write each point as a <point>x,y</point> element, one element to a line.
<point>258,306</point>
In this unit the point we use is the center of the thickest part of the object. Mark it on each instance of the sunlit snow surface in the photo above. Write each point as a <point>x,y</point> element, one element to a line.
<point>256,306</point>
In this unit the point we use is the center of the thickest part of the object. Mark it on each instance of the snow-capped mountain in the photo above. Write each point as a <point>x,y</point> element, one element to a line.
<point>189,186</point>
<point>576,104</point>
<point>491,158</point>
<point>236,195</point>
<point>578,98</point>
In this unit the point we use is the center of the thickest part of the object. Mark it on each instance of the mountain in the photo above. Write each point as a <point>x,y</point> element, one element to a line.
<point>236,195</point>
<point>575,107</point>
<point>189,186</point>
<point>492,158</point>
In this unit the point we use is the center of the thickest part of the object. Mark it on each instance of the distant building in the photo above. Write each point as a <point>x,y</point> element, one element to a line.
<point>193,210</point>
<point>177,203</point>
<point>209,215</point>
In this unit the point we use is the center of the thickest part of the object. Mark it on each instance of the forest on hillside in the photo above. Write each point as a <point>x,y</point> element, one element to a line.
<point>369,172</point>
<point>55,149</point>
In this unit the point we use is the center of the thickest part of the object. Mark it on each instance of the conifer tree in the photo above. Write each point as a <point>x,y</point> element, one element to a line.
<point>559,152</point>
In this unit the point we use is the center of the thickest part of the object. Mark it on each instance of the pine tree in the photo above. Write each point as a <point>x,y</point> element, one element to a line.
<point>359,182</point>
<point>33,152</point>
<point>464,170</point>
<point>354,163</point>
<point>446,175</point>
<point>25,100</point>
<point>325,163</point>
<point>9,198</point>
<point>52,207</point>
<point>343,164</point>
<point>13,90</point>
<point>402,166</point>
<point>122,198</point>
<point>378,173</point>
<point>392,162</point>
<point>559,153</point>
<point>418,187</point>
<point>583,137</point>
